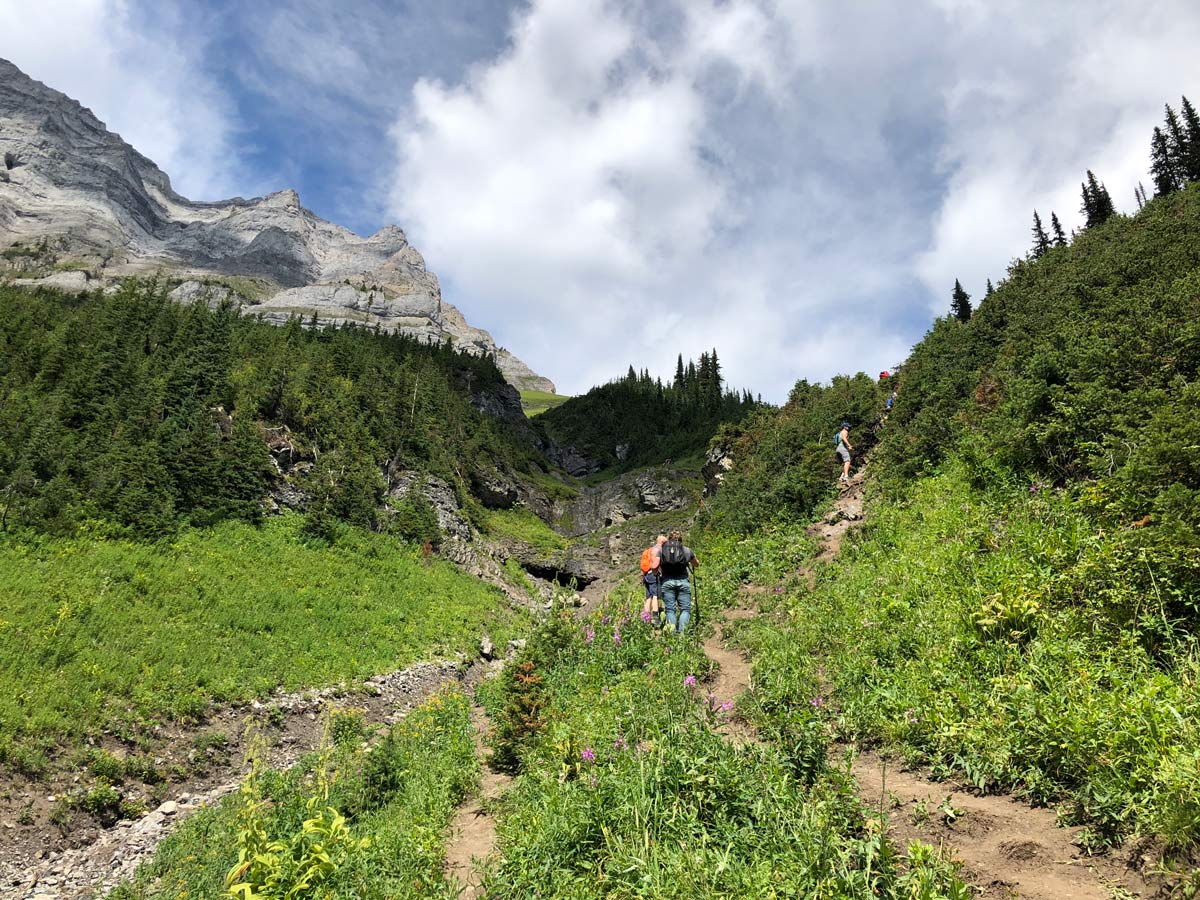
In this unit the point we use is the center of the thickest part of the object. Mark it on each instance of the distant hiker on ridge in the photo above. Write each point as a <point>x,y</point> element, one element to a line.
<point>652,577</point>
<point>842,444</point>
<point>675,560</point>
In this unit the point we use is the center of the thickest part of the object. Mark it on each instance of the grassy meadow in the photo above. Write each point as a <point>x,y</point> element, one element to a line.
<point>537,402</point>
<point>118,634</point>
<point>625,789</point>
<point>1001,637</point>
<point>348,822</point>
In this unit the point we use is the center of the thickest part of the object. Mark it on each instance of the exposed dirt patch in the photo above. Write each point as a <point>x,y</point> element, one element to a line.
<point>473,832</point>
<point>79,858</point>
<point>1008,848</point>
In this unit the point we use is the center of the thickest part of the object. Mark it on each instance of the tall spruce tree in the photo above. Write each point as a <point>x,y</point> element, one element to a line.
<point>1177,146</point>
<point>1097,204</point>
<point>1060,239</point>
<point>679,373</point>
<point>1162,168</point>
<point>989,290</point>
<point>1041,240</point>
<point>960,304</point>
<point>1191,131</point>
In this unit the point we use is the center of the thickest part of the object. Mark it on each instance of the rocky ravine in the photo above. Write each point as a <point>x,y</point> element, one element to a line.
<point>80,208</point>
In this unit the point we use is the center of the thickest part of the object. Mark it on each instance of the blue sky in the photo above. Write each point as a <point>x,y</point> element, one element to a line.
<point>605,182</point>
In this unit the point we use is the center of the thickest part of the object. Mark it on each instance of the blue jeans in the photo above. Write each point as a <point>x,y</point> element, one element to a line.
<point>677,598</point>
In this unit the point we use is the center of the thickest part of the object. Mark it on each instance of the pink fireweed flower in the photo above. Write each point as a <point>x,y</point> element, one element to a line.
<point>616,638</point>
<point>619,744</point>
<point>817,701</point>
<point>587,754</point>
<point>690,681</point>
<point>589,636</point>
<point>646,617</point>
<point>727,706</point>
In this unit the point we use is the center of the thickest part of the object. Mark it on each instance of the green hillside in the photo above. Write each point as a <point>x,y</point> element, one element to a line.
<point>131,411</point>
<point>1022,608</point>
<point>640,421</point>
<point>537,402</point>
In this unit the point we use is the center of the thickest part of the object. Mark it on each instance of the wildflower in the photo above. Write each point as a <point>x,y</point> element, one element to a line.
<point>616,637</point>
<point>589,636</point>
<point>619,743</point>
<point>727,706</point>
<point>646,617</point>
<point>643,746</point>
<point>587,754</point>
<point>910,716</point>
<point>779,590</point>
<point>817,701</point>
<point>690,681</point>
<point>604,619</point>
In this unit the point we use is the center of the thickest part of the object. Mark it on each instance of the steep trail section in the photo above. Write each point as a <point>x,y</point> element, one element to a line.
<point>1008,849</point>
<point>473,831</point>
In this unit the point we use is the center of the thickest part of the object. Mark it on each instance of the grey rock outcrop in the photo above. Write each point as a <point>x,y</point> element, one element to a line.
<point>75,193</point>
<point>439,495</point>
<point>623,498</point>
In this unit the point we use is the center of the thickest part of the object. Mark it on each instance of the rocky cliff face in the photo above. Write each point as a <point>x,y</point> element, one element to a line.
<point>73,195</point>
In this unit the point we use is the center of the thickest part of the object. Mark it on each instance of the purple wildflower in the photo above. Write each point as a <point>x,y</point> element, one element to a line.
<point>690,681</point>
<point>646,617</point>
<point>587,754</point>
<point>727,706</point>
<point>589,636</point>
<point>817,701</point>
<point>619,743</point>
<point>616,637</point>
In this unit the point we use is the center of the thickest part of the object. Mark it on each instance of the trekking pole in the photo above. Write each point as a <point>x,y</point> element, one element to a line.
<point>695,597</point>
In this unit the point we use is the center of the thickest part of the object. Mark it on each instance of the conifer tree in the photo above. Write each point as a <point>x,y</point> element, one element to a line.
<point>1161,166</point>
<point>1097,203</point>
<point>1191,131</point>
<point>1089,206</point>
<point>989,290</point>
<point>1041,240</point>
<point>1139,194</point>
<point>679,372</point>
<point>631,376</point>
<point>961,302</point>
<point>1177,146</point>
<point>1060,239</point>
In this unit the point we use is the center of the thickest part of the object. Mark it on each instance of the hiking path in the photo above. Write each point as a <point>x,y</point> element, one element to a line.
<point>1008,849</point>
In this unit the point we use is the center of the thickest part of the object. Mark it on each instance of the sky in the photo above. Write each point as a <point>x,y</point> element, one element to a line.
<point>600,183</point>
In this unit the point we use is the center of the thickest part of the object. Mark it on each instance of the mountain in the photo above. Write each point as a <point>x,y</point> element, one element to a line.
<point>79,207</point>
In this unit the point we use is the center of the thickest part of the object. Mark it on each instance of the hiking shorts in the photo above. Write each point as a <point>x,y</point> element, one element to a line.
<point>653,588</point>
<point>843,453</point>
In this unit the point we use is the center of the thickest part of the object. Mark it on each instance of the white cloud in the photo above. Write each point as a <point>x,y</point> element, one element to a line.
<point>1037,96</point>
<point>143,81</point>
<point>796,183</point>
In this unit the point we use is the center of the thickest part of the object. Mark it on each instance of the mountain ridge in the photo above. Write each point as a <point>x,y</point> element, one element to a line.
<point>75,196</point>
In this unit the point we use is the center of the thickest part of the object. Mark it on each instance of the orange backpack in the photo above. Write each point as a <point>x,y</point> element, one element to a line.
<point>650,559</point>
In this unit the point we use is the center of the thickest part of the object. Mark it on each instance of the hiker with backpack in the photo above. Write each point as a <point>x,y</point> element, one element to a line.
<point>841,443</point>
<point>652,578</point>
<point>675,561</point>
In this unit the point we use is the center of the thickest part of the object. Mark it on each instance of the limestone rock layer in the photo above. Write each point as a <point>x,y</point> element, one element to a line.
<point>79,207</point>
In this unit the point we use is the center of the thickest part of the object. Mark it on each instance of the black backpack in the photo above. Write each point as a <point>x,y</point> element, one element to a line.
<point>672,554</point>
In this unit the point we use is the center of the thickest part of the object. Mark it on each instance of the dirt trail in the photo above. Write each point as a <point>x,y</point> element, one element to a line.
<point>1008,849</point>
<point>473,831</point>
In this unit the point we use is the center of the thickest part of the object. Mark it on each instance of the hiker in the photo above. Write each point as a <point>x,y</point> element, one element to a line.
<point>674,561</point>
<point>652,577</point>
<point>842,444</point>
